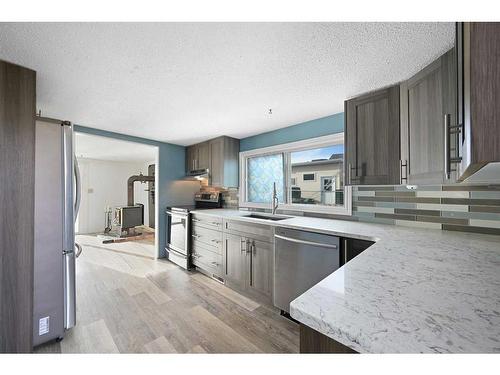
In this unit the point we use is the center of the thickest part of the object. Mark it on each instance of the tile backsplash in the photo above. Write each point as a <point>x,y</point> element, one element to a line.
<point>229,195</point>
<point>459,207</point>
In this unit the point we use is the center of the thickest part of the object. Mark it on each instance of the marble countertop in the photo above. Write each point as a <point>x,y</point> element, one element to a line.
<point>413,291</point>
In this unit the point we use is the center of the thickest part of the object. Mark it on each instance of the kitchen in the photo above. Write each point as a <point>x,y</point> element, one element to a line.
<point>372,228</point>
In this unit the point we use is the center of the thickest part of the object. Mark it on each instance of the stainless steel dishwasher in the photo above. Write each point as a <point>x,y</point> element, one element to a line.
<point>301,260</point>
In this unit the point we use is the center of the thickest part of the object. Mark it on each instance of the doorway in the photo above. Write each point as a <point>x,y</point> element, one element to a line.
<point>118,210</point>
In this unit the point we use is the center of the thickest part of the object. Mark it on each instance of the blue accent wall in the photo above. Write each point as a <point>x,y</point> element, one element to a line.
<point>171,167</point>
<point>305,130</point>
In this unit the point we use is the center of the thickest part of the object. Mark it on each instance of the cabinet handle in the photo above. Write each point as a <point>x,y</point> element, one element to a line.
<point>215,223</point>
<point>349,173</point>
<point>196,235</point>
<point>405,165</point>
<point>448,160</point>
<point>215,263</point>
<point>195,220</point>
<point>216,241</point>
<point>243,245</point>
<point>251,247</point>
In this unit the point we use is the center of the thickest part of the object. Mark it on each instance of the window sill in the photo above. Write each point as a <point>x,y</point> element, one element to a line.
<point>345,210</point>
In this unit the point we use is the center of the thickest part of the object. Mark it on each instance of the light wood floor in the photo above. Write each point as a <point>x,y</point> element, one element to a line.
<point>130,304</point>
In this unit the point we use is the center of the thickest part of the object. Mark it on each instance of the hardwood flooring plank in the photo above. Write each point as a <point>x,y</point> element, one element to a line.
<point>237,298</point>
<point>160,345</point>
<point>217,336</point>
<point>91,338</point>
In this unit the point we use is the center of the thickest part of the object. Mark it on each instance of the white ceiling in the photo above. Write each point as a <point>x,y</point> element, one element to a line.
<point>185,82</point>
<point>104,148</point>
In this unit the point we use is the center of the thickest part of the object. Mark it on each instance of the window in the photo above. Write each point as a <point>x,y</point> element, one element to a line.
<point>309,176</point>
<point>262,172</point>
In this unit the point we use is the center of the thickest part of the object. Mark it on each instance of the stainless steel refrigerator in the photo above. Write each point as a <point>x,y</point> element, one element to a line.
<point>56,205</point>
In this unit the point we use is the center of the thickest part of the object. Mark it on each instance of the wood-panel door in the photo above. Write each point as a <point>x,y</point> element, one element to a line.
<point>216,162</point>
<point>17,190</point>
<point>261,263</point>
<point>235,261</point>
<point>372,138</point>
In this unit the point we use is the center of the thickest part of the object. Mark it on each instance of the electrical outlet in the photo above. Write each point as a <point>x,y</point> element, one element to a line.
<point>43,326</point>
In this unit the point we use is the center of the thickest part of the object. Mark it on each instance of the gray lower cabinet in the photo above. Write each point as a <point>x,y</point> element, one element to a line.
<point>261,267</point>
<point>426,98</point>
<point>248,265</point>
<point>235,261</point>
<point>207,259</point>
<point>206,244</point>
<point>372,138</point>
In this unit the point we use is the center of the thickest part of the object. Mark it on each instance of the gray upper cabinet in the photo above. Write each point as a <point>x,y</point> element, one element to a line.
<point>224,162</point>
<point>216,147</point>
<point>203,157</point>
<point>425,100</point>
<point>191,158</point>
<point>220,156</point>
<point>372,138</point>
<point>197,157</point>
<point>478,52</point>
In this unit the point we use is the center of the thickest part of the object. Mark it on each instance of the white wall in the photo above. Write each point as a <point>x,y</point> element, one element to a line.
<point>104,183</point>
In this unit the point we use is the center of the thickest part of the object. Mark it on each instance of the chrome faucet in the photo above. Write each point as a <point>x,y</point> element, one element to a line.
<point>275,201</point>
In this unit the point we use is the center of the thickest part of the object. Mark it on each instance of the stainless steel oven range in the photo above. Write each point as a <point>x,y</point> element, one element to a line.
<point>178,223</point>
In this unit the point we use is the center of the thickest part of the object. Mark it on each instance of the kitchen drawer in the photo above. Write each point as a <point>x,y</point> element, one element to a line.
<point>207,260</point>
<point>209,237</point>
<point>211,222</point>
<point>195,244</point>
<point>258,231</point>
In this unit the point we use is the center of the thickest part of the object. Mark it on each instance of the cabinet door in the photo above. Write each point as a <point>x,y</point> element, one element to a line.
<point>203,161</point>
<point>372,138</point>
<point>423,119</point>
<point>425,99</point>
<point>235,261</point>
<point>261,263</point>
<point>481,95</point>
<point>191,155</point>
<point>216,162</point>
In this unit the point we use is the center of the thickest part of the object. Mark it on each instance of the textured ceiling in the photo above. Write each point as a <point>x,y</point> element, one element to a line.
<point>104,148</point>
<point>185,82</point>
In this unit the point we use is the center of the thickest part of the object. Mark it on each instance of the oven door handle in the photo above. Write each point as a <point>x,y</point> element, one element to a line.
<point>184,216</point>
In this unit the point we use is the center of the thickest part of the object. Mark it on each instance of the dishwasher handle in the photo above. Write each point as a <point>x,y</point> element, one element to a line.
<point>296,240</point>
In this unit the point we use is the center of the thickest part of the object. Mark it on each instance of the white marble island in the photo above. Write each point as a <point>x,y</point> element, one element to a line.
<point>413,291</point>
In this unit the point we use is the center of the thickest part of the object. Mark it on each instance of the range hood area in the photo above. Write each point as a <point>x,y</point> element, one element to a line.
<point>197,175</point>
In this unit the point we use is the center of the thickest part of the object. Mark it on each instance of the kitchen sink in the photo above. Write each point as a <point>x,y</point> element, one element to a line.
<point>267,217</point>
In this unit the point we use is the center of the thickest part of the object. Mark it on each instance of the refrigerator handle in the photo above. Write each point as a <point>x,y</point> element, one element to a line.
<point>78,190</point>
<point>68,228</point>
